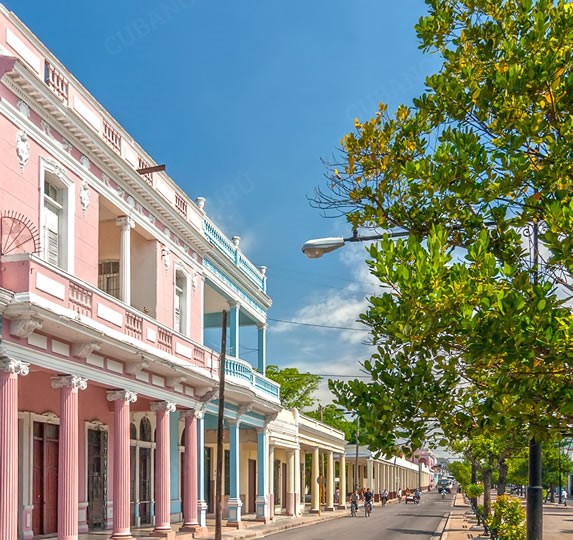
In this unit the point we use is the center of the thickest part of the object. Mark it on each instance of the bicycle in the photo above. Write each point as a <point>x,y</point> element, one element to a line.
<point>367,508</point>
<point>353,508</point>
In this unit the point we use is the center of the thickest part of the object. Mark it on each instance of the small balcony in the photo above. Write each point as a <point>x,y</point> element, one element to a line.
<point>74,308</point>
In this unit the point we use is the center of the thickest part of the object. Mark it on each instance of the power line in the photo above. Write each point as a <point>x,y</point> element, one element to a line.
<point>319,325</point>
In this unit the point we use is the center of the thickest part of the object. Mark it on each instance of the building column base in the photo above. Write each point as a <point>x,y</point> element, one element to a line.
<point>263,509</point>
<point>329,509</point>
<point>234,508</point>
<point>196,530</point>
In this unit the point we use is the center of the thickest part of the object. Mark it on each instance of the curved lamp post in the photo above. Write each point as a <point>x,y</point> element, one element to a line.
<point>317,247</point>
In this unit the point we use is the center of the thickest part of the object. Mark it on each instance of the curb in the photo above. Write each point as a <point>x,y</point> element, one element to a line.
<point>442,529</point>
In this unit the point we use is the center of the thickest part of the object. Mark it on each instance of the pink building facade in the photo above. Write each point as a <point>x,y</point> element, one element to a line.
<point>110,279</point>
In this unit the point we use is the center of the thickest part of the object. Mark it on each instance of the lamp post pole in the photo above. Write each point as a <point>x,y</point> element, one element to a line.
<point>559,467</point>
<point>357,450</point>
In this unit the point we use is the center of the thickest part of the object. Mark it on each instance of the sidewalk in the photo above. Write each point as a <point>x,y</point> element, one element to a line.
<point>557,522</point>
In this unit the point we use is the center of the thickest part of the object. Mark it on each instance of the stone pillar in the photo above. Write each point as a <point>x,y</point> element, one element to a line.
<point>297,483</point>
<point>162,467</point>
<point>234,327</point>
<point>262,348</point>
<point>314,486</point>
<point>303,479</point>
<point>342,476</point>
<point>190,475</point>
<point>68,475</point>
<point>201,503</point>
<point>272,480</point>
<point>126,224</point>
<point>290,492</point>
<point>370,473</point>
<point>9,371</point>
<point>262,502</point>
<point>234,504</point>
<point>121,462</point>
<point>330,481</point>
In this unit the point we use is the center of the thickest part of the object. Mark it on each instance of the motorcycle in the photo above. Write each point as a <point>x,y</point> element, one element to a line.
<point>443,493</point>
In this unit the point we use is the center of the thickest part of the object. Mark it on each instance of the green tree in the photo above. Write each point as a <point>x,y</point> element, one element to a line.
<point>333,416</point>
<point>461,471</point>
<point>297,388</point>
<point>471,329</point>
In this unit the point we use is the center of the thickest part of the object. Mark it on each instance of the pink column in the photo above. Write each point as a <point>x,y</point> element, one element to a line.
<point>121,465</point>
<point>162,467</point>
<point>190,521</point>
<point>68,474</point>
<point>9,371</point>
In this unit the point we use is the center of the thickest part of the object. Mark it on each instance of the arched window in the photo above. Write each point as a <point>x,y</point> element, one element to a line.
<point>145,429</point>
<point>132,431</point>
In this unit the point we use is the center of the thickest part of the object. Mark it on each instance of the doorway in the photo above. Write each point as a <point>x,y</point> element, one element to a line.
<point>97,479</point>
<point>45,478</point>
<point>252,506</point>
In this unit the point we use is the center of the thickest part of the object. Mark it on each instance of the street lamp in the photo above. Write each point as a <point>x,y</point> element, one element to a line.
<point>317,247</point>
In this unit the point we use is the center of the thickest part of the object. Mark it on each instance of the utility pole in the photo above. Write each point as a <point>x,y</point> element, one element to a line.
<point>357,450</point>
<point>534,504</point>
<point>220,427</point>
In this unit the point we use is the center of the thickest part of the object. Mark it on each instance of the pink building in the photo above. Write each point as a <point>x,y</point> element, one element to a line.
<point>110,278</point>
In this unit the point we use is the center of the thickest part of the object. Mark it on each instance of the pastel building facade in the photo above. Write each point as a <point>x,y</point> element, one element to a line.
<point>112,281</point>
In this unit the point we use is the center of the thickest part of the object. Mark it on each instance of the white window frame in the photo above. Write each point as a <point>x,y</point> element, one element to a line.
<point>184,329</point>
<point>66,186</point>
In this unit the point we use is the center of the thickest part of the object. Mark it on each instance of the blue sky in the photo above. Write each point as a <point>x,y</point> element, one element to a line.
<point>241,100</point>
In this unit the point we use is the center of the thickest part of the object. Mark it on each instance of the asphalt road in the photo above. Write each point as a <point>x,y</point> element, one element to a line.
<point>393,522</point>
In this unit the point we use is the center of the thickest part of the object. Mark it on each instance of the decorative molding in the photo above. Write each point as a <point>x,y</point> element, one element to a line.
<point>84,196</point>
<point>24,326</point>
<point>236,241</point>
<point>125,222</point>
<point>135,368</point>
<point>69,381</point>
<point>167,406</point>
<point>46,127</point>
<point>55,167</point>
<point>195,413</point>
<point>173,381</point>
<point>271,417</point>
<point>210,394</point>
<point>23,108</point>
<point>122,395</point>
<point>22,149</point>
<point>66,146</point>
<point>165,257</point>
<point>244,408</point>
<point>9,365</point>
<point>200,201</point>
<point>83,350</point>
<point>85,161</point>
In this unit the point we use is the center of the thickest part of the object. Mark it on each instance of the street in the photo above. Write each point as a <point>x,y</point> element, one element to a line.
<point>393,522</point>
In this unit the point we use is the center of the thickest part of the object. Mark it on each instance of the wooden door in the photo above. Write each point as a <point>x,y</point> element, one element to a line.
<point>252,505</point>
<point>45,478</point>
<point>97,465</point>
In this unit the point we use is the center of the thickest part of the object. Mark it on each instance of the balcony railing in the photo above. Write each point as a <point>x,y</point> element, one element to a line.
<point>57,82</point>
<point>35,278</point>
<point>214,235</point>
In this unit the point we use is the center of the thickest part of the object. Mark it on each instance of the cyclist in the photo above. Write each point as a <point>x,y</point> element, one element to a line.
<point>368,501</point>
<point>354,502</point>
<point>384,497</point>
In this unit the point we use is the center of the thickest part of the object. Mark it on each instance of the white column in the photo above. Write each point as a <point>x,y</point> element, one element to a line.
<point>342,475</point>
<point>291,495</point>
<point>314,486</point>
<point>330,481</point>
<point>297,510</point>
<point>272,479</point>
<point>126,224</point>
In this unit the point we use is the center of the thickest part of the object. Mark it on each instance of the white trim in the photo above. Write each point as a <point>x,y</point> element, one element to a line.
<point>109,379</point>
<point>48,285</point>
<point>66,255</point>
<point>24,51</point>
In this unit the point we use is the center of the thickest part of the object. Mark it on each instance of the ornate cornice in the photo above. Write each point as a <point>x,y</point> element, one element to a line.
<point>167,406</point>
<point>122,395</point>
<point>69,381</point>
<point>83,350</point>
<point>24,327</point>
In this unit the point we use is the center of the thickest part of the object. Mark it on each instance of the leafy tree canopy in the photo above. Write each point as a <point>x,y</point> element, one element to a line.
<point>297,388</point>
<point>471,329</point>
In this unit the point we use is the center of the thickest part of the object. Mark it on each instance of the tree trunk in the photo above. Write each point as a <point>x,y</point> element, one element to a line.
<point>503,470</point>
<point>486,477</point>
